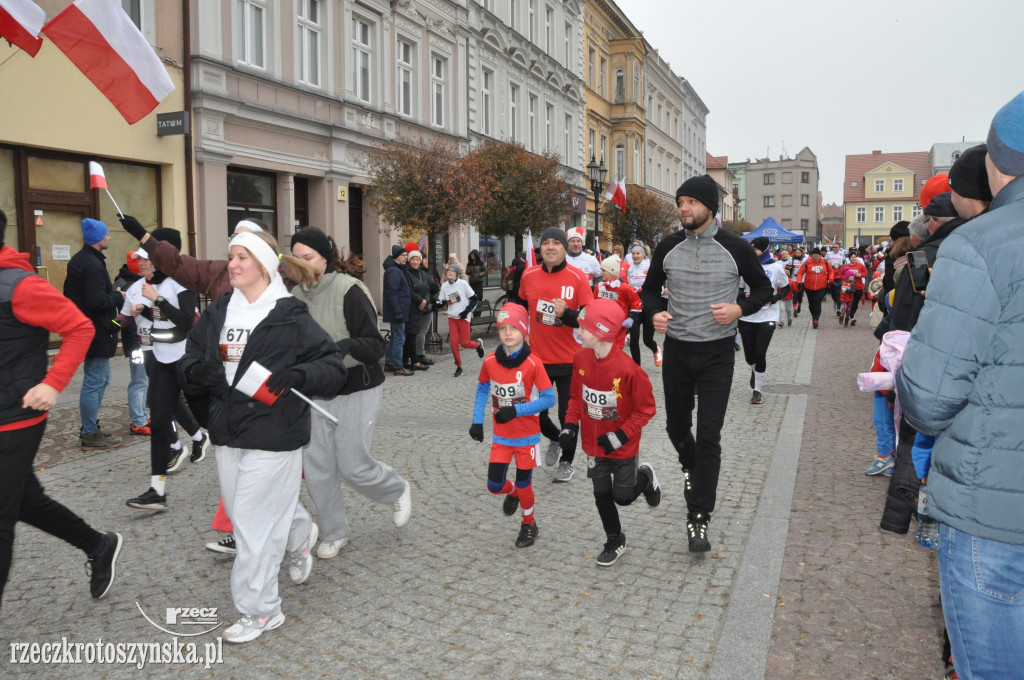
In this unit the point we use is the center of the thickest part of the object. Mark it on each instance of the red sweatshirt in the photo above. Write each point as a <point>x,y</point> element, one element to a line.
<point>37,303</point>
<point>815,275</point>
<point>609,394</point>
<point>627,298</point>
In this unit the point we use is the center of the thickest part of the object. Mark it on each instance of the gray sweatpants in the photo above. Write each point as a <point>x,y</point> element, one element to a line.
<point>261,497</point>
<point>343,452</point>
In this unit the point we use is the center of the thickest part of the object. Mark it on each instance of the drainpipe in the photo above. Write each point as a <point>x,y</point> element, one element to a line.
<point>190,204</point>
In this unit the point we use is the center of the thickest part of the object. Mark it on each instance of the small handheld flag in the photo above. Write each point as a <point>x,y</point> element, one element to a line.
<point>97,180</point>
<point>253,383</point>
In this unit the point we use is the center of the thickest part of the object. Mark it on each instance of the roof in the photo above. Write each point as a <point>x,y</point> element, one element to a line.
<point>715,161</point>
<point>859,164</point>
<point>832,210</point>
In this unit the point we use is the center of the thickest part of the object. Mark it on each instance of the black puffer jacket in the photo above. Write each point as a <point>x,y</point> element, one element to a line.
<point>88,286</point>
<point>906,304</point>
<point>900,503</point>
<point>423,287</point>
<point>288,337</point>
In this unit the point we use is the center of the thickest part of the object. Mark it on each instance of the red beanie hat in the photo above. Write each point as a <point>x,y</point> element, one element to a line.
<point>603,318</point>
<point>133,263</point>
<point>410,246</point>
<point>514,314</point>
<point>933,187</point>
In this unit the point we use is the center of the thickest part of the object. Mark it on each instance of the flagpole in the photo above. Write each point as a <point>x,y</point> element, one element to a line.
<point>314,406</point>
<point>113,201</point>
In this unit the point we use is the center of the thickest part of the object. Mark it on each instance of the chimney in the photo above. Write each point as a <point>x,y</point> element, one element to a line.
<point>878,151</point>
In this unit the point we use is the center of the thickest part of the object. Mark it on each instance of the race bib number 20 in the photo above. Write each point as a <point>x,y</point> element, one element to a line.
<point>546,313</point>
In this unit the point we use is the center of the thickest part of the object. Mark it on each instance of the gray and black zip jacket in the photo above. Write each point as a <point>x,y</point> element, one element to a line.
<point>701,270</point>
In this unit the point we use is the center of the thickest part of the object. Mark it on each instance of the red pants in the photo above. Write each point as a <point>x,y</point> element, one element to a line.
<point>458,335</point>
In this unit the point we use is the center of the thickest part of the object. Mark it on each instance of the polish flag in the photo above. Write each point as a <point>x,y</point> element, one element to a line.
<point>101,40</point>
<point>20,21</point>
<point>97,180</point>
<point>617,194</point>
<point>531,256</point>
<point>253,383</point>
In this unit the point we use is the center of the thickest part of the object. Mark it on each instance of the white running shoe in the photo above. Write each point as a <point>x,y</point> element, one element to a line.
<point>249,628</point>
<point>403,507</point>
<point>301,561</point>
<point>328,549</point>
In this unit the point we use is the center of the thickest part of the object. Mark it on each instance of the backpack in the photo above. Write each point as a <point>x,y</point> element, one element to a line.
<point>508,275</point>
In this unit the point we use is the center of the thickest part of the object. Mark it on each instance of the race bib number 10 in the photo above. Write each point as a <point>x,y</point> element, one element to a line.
<point>600,405</point>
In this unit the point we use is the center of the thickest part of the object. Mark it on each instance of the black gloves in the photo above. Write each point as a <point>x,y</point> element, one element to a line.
<point>133,226</point>
<point>476,431</point>
<point>505,414</point>
<point>399,318</point>
<point>567,437</point>
<point>611,441</point>
<point>464,314</point>
<point>281,381</point>
<point>207,373</point>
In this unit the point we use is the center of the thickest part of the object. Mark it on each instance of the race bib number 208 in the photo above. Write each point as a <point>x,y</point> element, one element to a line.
<point>600,405</point>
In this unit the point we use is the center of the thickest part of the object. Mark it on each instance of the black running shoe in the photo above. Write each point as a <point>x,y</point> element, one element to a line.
<point>199,449</point>
<point>150,500</point>
<point>697,532</point>
<point>510,505</point>
<point>480,348</point>
<point>527,535</point>
<point>612,549</point>
<point>755,398</point>
<point>458,371</point>
<point>102,567</point>
<point>652,494</point>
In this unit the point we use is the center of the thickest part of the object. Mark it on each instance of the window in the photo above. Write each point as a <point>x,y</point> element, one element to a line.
<point>590,68</point>
<point>532,23</point>
<point>916,210</point>
<point>405,78</point>
<point>513,112</point>
<point>532,115</point>
<point>250,35</point>
<point>656,179</point>
<point>491,252</point>
<point>568,46</point>
<point>602,76</point>
<point>251,194</point>
<point>879,185</point>
<point>879,213</point>
<point>604,148</point>
<point>513,10</point>
<point>309,42</point>
<point>134,11</point>
<point>805,199</point>
<point>853,184</point>
<point>769,201</point>
<point>637,166</point>
<point>897,213</point>
<point>549,28</point>
<point>549,122</point>
<point>897,184</point>
<point>805,178</point>
<point>438,69</point>
<point>787,200</point>
<point>769,178</point>
<point>593,149</point>
<point>787,178</point>
<point>620,86</point>
<point>804,223</point>
<point>361,48</point>
<point>619,171</point>
<point>636,83</point>
<point>862,215</point>
<point>567,142</point>
<point>486,101</point>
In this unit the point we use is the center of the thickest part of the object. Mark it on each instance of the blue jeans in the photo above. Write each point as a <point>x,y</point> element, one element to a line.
<point>94,383</point>
<point>137,394</point>
<point>885,427</point>
<point>393,356</point>
<point>983,602</point>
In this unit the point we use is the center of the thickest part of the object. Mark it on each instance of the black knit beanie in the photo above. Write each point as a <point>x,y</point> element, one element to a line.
<point>555,233</point>
<point>703,188</point>
<point>761,243</point>
<point>172,236</point>
<point>968,176</point>
<point>312,237</point>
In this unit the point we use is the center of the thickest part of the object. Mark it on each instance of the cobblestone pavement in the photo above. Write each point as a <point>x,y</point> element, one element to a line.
<point>449,596</point>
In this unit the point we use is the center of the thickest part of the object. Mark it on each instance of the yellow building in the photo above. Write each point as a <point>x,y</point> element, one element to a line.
<point>613,54</point>
<point>55,121</point>
<point>880,190</point>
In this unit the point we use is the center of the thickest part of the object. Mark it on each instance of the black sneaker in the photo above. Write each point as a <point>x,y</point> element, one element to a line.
<point>150,500</point>
<point>510,505</point>
<point>102,567</point>
<point>652,494</point>
<point>480,348</point>
<point>755,398</point>
<point>612,550</point>
<point>426,361</point>
<point>697,532</point>
<point>527,535</point>
<point>225,545</point>
<point>458,371</point>
<point>199,449</point>
<point>176,459</point>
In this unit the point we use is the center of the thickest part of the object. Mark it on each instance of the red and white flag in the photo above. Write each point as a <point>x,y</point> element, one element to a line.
<point>20,21</point>
<point>617,194</point>
<point>531,256</point>
<point>97,180</point>
<point>101,40</point>
<point>253,383</point>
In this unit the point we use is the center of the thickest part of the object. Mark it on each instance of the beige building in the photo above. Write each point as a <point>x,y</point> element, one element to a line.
<point>786,190</point>
<point>718,169</point>
<point>55,121</point>
<point>666,101</point>
<point>879,190</point>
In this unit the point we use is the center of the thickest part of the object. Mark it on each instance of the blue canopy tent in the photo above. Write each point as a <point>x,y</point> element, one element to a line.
<point>775,232</point>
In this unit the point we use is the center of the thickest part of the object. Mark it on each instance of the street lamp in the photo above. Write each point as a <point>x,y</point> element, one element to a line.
<point>597,174</point>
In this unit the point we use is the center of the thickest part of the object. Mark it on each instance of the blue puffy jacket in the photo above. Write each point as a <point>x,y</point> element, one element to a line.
<point>397,293</point>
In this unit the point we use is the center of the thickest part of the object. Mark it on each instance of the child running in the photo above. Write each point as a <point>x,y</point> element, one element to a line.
<point>461,301</point>
<point>613,398</point>
<point>509,375</point>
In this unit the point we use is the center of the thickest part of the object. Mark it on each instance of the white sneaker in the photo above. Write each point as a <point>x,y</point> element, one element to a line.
<point>403,507</point>
<point>249,628</point>
<point>328,549</point>
<point>301,561</point>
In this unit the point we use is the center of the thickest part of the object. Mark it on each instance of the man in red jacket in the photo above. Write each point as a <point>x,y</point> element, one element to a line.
<point>31,309</point>
<point>815,276</point>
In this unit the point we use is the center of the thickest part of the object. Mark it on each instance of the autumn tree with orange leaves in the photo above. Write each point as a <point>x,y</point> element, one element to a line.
<point>648,218</point>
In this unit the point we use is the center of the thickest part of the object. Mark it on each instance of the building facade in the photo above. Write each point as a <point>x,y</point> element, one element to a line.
<point>786,190</point>
<point>832,223</point>
<point>695,132</point>
<point>718,169</point>
<point>665,103</point>
<point>942,155</point>
<point>739,188</point>
<point>879,190</point>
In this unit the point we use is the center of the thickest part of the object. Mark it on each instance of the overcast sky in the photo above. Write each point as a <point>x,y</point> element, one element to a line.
<point>840,78</point>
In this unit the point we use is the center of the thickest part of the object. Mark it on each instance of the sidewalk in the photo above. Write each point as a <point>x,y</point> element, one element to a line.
<point>448,596</point>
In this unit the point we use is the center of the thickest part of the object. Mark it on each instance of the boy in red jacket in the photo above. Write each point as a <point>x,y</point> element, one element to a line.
<point>511,376</point>
<point>610,401</point>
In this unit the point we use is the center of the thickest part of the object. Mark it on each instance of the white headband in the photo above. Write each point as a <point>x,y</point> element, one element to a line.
<point>260,250</point>
<point>248,225</point>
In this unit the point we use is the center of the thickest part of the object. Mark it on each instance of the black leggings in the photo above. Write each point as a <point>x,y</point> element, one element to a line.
<point>814,298</point>
<point>561,378</point>
<point>163,400</point>
<point>756,337</point>
<point>634,336</point>
<point>856,302</point>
